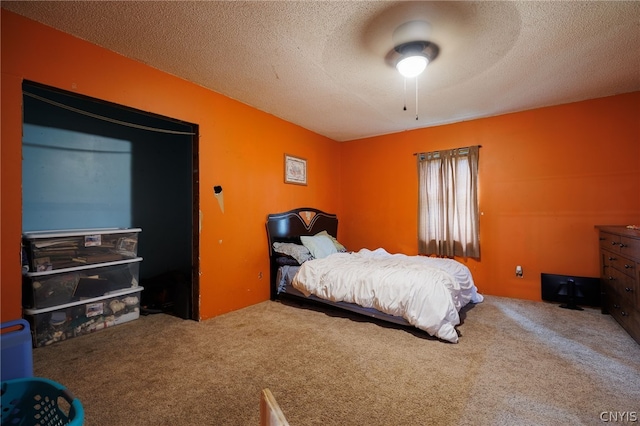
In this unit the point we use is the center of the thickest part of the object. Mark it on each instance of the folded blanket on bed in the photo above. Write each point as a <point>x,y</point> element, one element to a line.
<point>427,292</point>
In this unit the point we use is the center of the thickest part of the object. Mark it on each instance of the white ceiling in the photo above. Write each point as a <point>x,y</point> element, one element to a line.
<point>321,64</point>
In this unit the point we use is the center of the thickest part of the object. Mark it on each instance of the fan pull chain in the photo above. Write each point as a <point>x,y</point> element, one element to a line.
<point>405,95</point>
<point>404,108</point>
<point>416,98</point>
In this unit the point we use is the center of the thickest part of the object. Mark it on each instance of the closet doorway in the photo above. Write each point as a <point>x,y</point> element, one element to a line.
<point>88,163</point>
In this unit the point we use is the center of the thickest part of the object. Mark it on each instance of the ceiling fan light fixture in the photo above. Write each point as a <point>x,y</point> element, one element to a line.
<point>412,58</point>
<point>412,66</point>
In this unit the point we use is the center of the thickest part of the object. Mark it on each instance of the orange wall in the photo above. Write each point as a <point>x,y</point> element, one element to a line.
<point>241,149</point>
<point>546,177</point>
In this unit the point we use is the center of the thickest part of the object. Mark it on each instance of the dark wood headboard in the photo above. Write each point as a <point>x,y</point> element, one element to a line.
<point>290,226</point>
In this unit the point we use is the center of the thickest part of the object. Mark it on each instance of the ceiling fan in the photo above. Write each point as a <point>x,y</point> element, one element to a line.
<point>413,53</point>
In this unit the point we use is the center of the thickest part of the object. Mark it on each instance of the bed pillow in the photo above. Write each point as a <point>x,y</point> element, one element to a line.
<point>298,252</point>
<point>319,246</point>
<point>339,247</point>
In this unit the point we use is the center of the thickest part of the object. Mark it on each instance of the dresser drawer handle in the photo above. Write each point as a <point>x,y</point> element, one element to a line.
<point>613,243</point>
<point>622,245</point>
<point>611,279</point>
<point>628,289</point>
<point>628,266</point>
<point>624,314</point>
<point>611,258</point>
<point>616,306</point>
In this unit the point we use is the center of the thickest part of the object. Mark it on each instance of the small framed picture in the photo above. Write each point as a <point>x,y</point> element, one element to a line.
<point>295,170</point>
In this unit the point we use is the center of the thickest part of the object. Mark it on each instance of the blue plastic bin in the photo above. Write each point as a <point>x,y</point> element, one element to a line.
<point>39,401</point>
<point>16,357</point>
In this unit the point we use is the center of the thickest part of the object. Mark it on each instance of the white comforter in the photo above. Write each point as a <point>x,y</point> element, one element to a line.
<point>427,292</point>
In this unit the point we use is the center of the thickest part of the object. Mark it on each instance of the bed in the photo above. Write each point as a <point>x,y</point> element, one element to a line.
<point>309,264</point>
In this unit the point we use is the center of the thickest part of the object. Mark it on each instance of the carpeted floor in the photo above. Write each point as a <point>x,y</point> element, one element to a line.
<point>517,362</point>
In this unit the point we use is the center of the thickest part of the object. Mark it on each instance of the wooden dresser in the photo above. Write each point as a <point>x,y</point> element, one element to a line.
<point>620,276</point>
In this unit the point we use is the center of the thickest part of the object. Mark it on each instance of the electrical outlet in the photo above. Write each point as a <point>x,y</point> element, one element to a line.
<point>519,272</point>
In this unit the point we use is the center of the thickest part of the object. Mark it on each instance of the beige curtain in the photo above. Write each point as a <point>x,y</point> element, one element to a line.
<point>448,218</point>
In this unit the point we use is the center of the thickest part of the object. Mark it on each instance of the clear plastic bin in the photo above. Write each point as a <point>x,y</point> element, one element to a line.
<point>59,323</point>
<point>62,249</point>
<point>57,287</point>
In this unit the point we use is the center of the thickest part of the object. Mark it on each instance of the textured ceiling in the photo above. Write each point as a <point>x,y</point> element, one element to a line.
<point>323,65</point>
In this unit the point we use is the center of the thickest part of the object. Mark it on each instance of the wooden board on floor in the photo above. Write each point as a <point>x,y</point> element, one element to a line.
<point>270,412</point>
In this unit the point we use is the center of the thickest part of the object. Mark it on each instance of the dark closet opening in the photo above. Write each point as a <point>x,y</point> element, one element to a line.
<point>89,163</point>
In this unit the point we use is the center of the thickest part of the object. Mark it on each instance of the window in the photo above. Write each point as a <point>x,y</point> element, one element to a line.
<point>448,218</point>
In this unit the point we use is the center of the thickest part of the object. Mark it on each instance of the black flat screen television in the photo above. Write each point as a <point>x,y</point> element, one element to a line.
<point>571,291</point>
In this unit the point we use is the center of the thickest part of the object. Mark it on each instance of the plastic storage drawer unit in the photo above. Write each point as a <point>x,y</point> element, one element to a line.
<point>57,287</point>
<point>51,250</point>
<point>50,325</point>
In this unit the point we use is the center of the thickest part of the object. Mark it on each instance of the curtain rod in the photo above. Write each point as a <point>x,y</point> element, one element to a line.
<point>465,147</point>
